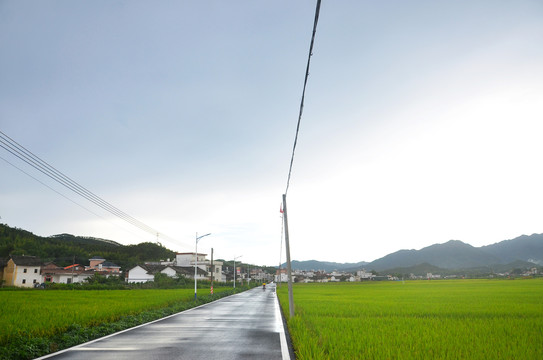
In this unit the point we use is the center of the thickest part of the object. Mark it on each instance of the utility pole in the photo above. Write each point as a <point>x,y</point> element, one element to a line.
<point>281,248</point>
<point>196,263</point>
<point>212,271</point>
<point>289,268</point>
<point>73,265</point>
<point>235,270</point>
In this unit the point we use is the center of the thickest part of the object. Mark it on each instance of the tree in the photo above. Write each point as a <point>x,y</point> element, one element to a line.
<point>162,281</point>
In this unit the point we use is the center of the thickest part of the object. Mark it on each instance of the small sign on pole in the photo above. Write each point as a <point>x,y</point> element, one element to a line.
<point>211,290</point>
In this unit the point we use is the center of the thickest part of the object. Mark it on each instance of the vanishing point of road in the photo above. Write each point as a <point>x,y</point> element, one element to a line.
<point>247,325</point>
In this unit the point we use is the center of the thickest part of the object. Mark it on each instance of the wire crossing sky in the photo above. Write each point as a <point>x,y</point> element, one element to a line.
<point>317,11</point>
<point>425,122</point>
<point>33,160</point>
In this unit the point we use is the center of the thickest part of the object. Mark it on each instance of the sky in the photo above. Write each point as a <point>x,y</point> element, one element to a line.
<point>422,123</point>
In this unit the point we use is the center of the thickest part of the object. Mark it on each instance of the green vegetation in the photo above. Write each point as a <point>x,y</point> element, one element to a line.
<point>61,249</point>
<point>452,319</point>
<point>36,322</point>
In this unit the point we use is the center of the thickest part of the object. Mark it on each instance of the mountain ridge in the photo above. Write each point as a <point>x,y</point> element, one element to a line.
<point>451,255</point>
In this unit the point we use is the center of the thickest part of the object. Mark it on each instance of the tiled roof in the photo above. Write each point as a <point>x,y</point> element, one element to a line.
<point>152,269</point>
<point>51,265</point>
<point>183,270</point>
<point>71,266</point>
<point>109,264</point>
<point>23,260</point>
<point>66,271</point>
<point>187,270</point>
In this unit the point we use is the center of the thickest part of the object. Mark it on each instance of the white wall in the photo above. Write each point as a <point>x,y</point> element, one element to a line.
<point>29,278</point>
<point>139,274</point>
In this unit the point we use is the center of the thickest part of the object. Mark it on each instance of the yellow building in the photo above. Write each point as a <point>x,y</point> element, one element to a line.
<point>22,271</point>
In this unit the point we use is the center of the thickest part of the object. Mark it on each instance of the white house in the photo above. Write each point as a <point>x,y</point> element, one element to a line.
<point>363,275</point>
<point>187,259</point>
<point>70,274</point>
<point>146,272</point>
<point>100,264</point>
<point>281,275</point>
<point>141,273</point>
<point>186,271</point>
<point>22,271</point>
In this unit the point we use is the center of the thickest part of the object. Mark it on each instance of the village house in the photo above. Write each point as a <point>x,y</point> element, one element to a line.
<point>143,273</point>
<point>188,259</point>
<point>99,264</point>
<point>146,272</point>
<point>260,275</point>
<point>182,265</point>
<point>22,271</point>
<point>363,275</point>
<point>29,271</point>
<point>76,273</point>
<point>430,276</point>
<point>281,275</point>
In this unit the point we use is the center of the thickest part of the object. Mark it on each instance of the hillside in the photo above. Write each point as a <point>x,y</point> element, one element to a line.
<point>61,249</point>
<point>453,254</point>
<point>526,248</point>
<point>447,257</point>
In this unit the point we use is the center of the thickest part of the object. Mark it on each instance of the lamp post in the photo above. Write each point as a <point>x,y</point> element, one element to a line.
<point>235,270</point>
<point>196,263</point>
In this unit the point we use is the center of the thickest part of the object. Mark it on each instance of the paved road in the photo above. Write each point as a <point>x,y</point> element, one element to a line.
<point>243,326</point>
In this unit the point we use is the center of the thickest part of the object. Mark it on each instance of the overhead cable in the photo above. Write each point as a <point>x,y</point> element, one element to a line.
<point>66,197</point>
<point>317,11</point>
<point>33,160</point>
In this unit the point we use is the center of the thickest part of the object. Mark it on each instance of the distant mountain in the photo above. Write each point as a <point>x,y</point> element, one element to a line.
<point>452,255</point>
<point>64,249</point>
<point>324,265</point>
<point>526,248</point>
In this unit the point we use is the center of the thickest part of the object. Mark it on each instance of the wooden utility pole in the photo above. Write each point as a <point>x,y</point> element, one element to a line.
<point>289,268</point>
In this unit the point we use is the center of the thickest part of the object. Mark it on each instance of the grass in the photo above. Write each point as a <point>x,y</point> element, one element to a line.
<point>464,319</point>
<point>36,322</point>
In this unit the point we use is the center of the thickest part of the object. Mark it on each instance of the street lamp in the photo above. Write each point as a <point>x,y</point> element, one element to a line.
<point>196,263</point>
<point>235,269</point>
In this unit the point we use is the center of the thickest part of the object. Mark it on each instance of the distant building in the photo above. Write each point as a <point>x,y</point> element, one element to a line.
<point>281,275</point>
<point>22,271</point>
<point>99,264</point>
<point>364,275</point>
<point>51,273</point>
<point>188,259</point>
<point>146,272</point>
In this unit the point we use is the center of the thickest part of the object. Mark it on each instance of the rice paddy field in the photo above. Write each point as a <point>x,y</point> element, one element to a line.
<point>38,313</point>
<point>447,319</point>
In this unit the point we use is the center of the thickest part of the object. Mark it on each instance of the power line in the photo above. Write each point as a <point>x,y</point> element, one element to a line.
<point>284,207</point>
<point>317,11</point>
<point>33,160</point>
<point>61,194</point>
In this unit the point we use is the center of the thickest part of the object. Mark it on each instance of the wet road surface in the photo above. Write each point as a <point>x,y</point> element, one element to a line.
<point>243,326</point>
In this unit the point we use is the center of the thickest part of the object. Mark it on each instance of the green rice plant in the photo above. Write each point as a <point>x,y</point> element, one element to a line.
<point>38,313</point>
<point>453,319</point>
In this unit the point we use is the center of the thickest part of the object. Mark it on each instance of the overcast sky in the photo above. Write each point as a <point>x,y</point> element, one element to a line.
<point>422,122</point>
